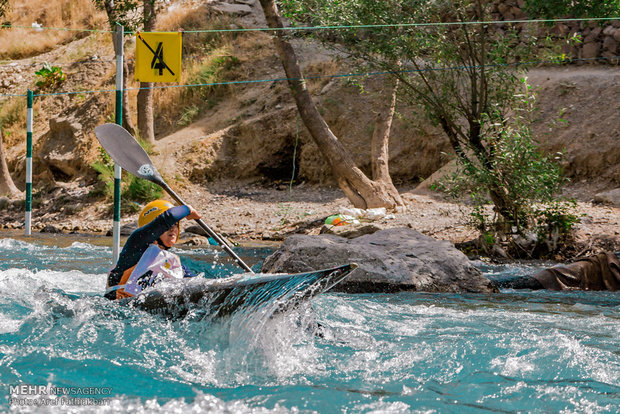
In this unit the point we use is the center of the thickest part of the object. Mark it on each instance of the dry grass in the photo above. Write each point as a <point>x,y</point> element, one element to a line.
<point>20,42</point>
<point>180,106</point>
<point>207,58</point>
<point>320,74</point>
<point>13,120</point>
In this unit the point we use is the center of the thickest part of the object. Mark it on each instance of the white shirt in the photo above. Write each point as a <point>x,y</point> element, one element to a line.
<point>161,263</point>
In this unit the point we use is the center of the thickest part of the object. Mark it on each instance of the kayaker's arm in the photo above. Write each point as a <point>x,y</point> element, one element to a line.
<point>149,233</point>
<point>141,238</point>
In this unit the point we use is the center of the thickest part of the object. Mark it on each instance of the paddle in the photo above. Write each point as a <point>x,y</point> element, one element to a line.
<point>126,152</point>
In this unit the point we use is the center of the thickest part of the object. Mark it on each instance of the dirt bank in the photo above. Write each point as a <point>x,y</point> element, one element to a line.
<point>246,213</point>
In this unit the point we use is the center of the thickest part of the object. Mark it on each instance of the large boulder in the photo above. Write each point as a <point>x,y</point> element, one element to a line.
<point>70,146</point>
<point>608,197</point>
<point>389,260</point>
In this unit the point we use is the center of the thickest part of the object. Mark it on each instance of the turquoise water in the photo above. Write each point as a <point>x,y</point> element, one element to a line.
<point>408,352</point>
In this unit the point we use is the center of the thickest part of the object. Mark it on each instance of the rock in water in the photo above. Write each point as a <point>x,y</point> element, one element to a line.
<point>389,260</point>
<point>608,197</point>
<point>50,229</point>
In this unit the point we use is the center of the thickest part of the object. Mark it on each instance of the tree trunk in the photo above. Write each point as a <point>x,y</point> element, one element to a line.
<point>359,189</point>
<point>145,94</point>
<point>379,153</point>
<point>145,112</point>
<point>7,187</point>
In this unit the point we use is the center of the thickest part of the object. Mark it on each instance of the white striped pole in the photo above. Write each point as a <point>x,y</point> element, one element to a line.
<point>28,222</point>
<point>116,229</point>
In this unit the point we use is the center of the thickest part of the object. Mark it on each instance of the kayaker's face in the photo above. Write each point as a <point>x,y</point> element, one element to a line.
<point>170,237</point>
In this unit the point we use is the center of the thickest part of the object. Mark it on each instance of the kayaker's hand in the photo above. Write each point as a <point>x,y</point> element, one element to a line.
<point>193,214</point>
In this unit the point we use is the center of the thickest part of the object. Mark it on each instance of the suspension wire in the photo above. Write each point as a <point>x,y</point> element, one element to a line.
<point>342,75</point>
<point>10,64</point>
<point>339,27</point>
<point>399,25</point>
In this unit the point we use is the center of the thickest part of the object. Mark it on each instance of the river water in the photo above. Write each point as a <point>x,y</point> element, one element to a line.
<point>516,351</point>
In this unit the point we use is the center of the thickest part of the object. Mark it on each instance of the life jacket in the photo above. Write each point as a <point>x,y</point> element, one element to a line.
<point>120,288</point>
<point>154,265</point>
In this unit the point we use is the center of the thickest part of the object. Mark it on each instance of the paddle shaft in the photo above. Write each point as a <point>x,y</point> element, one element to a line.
<point>127,152</point>
<point>206,228</point>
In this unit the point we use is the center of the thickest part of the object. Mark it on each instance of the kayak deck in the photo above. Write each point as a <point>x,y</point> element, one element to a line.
<point>247,291</point>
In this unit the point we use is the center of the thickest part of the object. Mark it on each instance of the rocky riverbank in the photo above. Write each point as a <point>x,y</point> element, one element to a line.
<point>246,213</point>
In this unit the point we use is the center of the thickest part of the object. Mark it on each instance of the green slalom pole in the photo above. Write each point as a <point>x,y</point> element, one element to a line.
<point>116,230</point>
<point>28,220</point>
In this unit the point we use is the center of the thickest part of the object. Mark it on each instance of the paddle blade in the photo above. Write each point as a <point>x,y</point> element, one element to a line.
<point>127,152</point>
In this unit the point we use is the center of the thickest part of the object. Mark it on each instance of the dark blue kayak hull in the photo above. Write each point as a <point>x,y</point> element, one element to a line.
<point>247,292</point>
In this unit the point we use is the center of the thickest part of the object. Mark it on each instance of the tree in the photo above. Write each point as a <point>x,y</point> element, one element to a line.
<point>465,75</point>
<point>145,94</point>
<point>7,187</point>
<point>576,8</point>
<point>119,11</point>
<point>4,7</point>
<point>127,13</point>
<point>359,189</point>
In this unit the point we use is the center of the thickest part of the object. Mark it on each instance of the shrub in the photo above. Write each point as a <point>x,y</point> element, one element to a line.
<point>51,76</point>
<point>529,182</point>
<point>133,189</point>
<point>140,190</point>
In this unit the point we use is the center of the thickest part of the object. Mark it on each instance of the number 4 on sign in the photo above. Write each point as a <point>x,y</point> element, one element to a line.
<point>158,60</point>
<point>158,57</point>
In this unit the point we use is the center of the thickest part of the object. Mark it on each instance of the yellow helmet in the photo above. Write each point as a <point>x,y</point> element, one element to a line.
<point>152,210</point>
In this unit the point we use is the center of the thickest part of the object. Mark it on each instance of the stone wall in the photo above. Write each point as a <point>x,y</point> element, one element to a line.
<point>600,41</point>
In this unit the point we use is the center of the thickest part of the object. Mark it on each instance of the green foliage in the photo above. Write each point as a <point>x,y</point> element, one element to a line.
<point>188,115</point>
<point>133,189</point>
<point>141,190</point>
<point>527,178</point>
<point>123,12</point>
<point>470,83</point>
<point>556,219</point>
<point>488,239</point>
<point>550,9</point>
<point>50,77</point>
<point>104,166</point>
<point>210,72</point>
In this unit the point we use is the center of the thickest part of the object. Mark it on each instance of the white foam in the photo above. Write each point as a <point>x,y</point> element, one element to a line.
<point>8,325</point>
<point>12,244</point>
<point>25,283</point>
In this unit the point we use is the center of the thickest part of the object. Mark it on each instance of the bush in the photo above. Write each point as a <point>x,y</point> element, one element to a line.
<point>141,191</point>
<point>529,182</point>
<point>554,222</point>
<point>104,166</point>
<point>52,77</point>
<point>133,189</point>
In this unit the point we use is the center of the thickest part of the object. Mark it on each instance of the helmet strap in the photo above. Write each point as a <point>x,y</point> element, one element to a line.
<point>161,244</point>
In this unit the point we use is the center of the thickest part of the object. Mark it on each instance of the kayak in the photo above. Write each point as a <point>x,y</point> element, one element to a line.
<point>247,291</point>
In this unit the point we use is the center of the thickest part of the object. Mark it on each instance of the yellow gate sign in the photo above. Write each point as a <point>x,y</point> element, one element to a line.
<point>158,57</point>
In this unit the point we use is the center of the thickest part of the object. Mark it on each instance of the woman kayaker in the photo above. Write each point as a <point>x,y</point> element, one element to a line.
<point>145,258</point>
